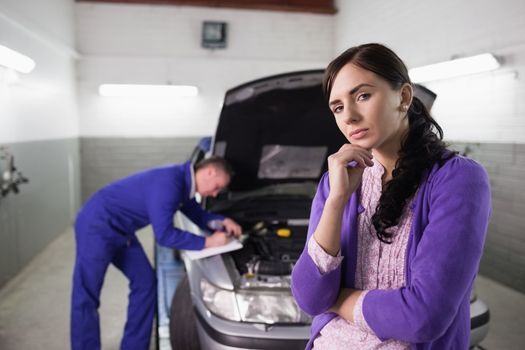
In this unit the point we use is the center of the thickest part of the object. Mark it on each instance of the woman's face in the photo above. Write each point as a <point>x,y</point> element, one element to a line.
<point>367,110</point>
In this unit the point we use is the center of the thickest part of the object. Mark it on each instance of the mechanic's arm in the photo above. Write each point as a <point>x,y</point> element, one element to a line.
<point>198,215</point>
<point>162,202</point>
<point>204,219</point>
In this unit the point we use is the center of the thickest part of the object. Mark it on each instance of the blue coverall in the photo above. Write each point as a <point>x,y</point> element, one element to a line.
<point>105,234</point>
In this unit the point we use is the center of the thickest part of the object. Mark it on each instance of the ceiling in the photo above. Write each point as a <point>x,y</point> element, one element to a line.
<point>309,6</point>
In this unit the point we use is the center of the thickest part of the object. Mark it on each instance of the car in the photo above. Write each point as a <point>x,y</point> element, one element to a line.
<point>277,133</point>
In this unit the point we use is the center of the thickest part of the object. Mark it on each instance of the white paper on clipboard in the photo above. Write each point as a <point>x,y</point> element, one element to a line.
<point>204,253</point>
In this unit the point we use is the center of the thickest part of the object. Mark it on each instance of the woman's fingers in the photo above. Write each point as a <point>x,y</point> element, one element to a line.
<point>366,161</point>
<point>348,155</point>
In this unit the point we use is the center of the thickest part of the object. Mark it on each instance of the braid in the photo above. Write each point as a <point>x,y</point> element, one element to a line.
<point>421,148</point>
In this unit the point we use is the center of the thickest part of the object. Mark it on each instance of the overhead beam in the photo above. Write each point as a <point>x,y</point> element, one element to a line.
<point>309,6</point>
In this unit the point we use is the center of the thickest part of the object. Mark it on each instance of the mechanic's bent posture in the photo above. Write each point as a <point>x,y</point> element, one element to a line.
<point>105,234</point>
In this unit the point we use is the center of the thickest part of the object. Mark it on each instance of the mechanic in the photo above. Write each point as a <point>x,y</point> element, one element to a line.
<point>105,234</point>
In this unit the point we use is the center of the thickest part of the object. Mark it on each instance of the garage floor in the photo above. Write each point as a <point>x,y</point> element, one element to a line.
<point>34,306</point>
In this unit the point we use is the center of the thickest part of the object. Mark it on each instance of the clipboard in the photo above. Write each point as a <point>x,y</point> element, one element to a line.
<point>234,244</point>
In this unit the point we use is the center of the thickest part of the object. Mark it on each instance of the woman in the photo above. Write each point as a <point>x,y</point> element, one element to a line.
<point>398,222</point>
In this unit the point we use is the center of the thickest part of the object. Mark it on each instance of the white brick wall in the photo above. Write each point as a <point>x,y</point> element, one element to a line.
<point>483,108</point>
<point>157,44</point>
<point>41,105</point>
<point>51,18</point>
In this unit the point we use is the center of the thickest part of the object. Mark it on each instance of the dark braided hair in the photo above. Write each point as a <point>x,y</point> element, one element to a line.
<point>421,147</point>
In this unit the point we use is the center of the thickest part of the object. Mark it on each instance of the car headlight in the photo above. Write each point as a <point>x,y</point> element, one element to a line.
<point>219,301</point>
<point>267,307</point>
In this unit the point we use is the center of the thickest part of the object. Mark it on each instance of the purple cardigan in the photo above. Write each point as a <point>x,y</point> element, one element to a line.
<point>450,218</point>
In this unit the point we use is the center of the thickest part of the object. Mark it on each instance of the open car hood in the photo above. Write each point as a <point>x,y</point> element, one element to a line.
<point>277,130</point>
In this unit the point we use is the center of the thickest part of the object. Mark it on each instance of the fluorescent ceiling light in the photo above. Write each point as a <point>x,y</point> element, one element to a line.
<point>15,60</point>
<point>143,90</point>
<point>454,68</point>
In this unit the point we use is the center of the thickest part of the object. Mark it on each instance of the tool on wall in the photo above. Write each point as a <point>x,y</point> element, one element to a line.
<point>10,177</point>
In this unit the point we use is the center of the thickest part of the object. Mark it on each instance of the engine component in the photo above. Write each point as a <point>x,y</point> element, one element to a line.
<point>284,232</point>
<point>11,177</point>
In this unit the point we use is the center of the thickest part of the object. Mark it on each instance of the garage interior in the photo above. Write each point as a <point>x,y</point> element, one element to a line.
<point>67,140</point>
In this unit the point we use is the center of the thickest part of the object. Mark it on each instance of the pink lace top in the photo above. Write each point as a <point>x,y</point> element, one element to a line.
<point>379,266</point>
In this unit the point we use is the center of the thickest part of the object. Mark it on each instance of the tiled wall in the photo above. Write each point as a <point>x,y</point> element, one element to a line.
<point>504,256</point>
<point>44,207</point>
<point>106,159</point>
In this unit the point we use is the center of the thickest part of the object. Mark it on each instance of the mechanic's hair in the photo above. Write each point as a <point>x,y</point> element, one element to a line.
<point>217,162</point>
<point>421,148</point>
